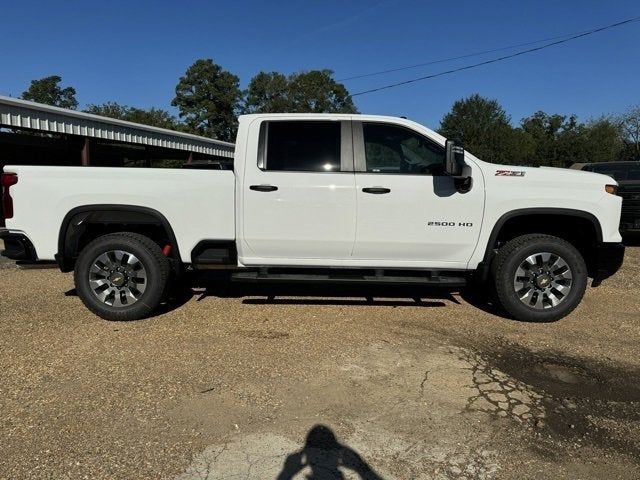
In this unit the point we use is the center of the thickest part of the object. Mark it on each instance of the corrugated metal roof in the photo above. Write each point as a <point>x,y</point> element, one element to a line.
<point>37,116</point>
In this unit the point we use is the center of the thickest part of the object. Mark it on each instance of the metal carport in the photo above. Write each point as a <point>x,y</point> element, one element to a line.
<point>81,133</point>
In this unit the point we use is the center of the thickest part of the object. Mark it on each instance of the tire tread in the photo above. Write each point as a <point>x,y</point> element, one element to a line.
<point>503,291</point>
<point>143,309</point>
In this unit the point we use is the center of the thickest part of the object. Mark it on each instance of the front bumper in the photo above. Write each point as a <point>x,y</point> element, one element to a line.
<point>17,246</point>
<point>608,260</point>
<point>630,227</point>
<point>629,218</point>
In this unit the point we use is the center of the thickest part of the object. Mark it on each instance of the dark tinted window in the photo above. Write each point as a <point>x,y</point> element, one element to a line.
<point>394,149</point>
<point>303,146</point>
<point>619,172</point>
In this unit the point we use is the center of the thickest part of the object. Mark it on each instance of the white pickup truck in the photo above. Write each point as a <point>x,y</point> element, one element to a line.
<point>321,197</point>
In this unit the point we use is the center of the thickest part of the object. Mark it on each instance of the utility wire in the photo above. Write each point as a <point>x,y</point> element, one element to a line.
<point>443,60</point>
<point>499,59</point>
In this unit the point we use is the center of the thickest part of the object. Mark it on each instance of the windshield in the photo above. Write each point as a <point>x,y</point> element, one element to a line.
<point>618,172</point>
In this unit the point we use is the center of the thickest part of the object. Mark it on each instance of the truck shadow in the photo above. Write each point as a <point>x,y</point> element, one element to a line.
<point>631,240</point>
<point>483,301</point>
<point>216,285</point>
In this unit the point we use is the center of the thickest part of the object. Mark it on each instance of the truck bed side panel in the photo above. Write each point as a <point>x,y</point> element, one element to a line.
<point>199,204</point>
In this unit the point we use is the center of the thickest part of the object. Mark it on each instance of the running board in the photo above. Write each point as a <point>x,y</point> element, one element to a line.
<point>395,277</point>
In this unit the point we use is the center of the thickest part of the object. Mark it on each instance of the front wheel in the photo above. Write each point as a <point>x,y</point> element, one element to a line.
<point>121,276</point>
<point>539,278</point>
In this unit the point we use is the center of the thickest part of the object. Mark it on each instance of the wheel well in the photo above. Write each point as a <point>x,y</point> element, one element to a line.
<point>84,224</point>
<point>581,230</point>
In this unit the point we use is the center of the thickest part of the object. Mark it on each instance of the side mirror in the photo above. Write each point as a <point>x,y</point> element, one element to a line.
<point>455,166</point>
<point>454,159</point>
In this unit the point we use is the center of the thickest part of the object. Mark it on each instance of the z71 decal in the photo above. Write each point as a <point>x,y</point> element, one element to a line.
<point>509,173</point>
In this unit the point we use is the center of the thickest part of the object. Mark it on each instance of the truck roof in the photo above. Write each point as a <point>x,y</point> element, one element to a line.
<point>345,116</point>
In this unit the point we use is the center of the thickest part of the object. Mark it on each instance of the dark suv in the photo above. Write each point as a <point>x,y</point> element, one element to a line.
<point>627,174</point>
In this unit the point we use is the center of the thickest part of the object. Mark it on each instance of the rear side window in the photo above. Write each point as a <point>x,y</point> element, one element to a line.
<point>301,146</point>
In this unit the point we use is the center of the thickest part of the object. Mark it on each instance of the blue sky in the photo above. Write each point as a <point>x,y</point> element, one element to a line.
<point>133,52</point>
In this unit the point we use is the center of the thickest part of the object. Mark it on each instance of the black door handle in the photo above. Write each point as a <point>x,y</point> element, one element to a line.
<point>376,190</point>
<point>263,188</point>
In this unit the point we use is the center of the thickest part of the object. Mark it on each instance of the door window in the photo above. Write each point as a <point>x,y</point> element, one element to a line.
<point>397,150</point>
<point>301,146</point>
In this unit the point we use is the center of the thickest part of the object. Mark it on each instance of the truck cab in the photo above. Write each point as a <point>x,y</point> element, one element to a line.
<point>345,191</point>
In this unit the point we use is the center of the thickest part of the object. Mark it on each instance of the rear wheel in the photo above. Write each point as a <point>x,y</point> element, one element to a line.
<point>539,278</point>
<point>121,276</point>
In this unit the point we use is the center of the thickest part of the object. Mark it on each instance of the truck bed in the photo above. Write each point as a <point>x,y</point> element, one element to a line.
<point>198,204</point>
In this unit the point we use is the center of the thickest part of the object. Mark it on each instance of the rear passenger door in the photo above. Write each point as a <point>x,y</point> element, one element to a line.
<point>299,199</point>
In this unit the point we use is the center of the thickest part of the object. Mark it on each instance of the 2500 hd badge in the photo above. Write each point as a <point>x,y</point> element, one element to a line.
<point>450,224</point>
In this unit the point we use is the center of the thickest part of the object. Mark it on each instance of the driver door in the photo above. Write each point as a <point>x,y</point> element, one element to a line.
<point>409,212</point>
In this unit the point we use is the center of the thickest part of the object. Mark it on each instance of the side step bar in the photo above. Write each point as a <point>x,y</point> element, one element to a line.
<point>395,277</point>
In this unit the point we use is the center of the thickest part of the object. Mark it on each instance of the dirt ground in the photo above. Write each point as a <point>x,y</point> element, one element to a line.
<point>253,382</point>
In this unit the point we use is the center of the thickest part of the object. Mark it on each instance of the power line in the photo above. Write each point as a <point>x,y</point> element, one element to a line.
<point>499,59</point>
<point>443,60</point>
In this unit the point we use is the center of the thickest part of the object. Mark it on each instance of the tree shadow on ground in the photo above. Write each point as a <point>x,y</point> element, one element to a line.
<point>324,456</point>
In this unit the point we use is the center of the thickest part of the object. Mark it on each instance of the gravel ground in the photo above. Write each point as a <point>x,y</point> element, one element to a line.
<point>255,382</point>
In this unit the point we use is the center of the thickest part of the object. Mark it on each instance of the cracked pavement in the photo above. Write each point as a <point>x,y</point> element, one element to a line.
<point>250,382</point>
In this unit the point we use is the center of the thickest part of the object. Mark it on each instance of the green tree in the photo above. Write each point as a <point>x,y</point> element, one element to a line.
<point>604,140</point>
<point>306,92</point>
<point>317,92</point>
<point>208,99</point>
<point>485,130</point>
<point>562,140</point>
<point>268,92</point>
<point>541,139</point>
<point>544,129</point>
<point>109,109</point>
<point>48,91</point>
<point>156,117</point>
<point>629,123</point>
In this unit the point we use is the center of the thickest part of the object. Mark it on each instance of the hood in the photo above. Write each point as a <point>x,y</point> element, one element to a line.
<point>548,174</point>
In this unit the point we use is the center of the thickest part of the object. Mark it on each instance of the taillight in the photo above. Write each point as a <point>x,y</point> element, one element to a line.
<point>7,180</point>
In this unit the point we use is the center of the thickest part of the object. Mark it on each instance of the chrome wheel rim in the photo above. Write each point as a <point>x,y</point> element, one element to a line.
<point>117,278</point>
<point>543,280</point>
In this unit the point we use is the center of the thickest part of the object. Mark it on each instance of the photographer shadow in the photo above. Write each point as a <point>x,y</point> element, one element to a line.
<point>324,456</point>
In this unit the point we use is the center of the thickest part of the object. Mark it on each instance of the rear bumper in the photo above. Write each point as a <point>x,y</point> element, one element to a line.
<point>17,246</point>
<point>608,260</point>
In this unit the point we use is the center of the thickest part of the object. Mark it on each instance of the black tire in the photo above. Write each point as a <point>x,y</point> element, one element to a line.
<point>147,252</point>
<point>513,254</point>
